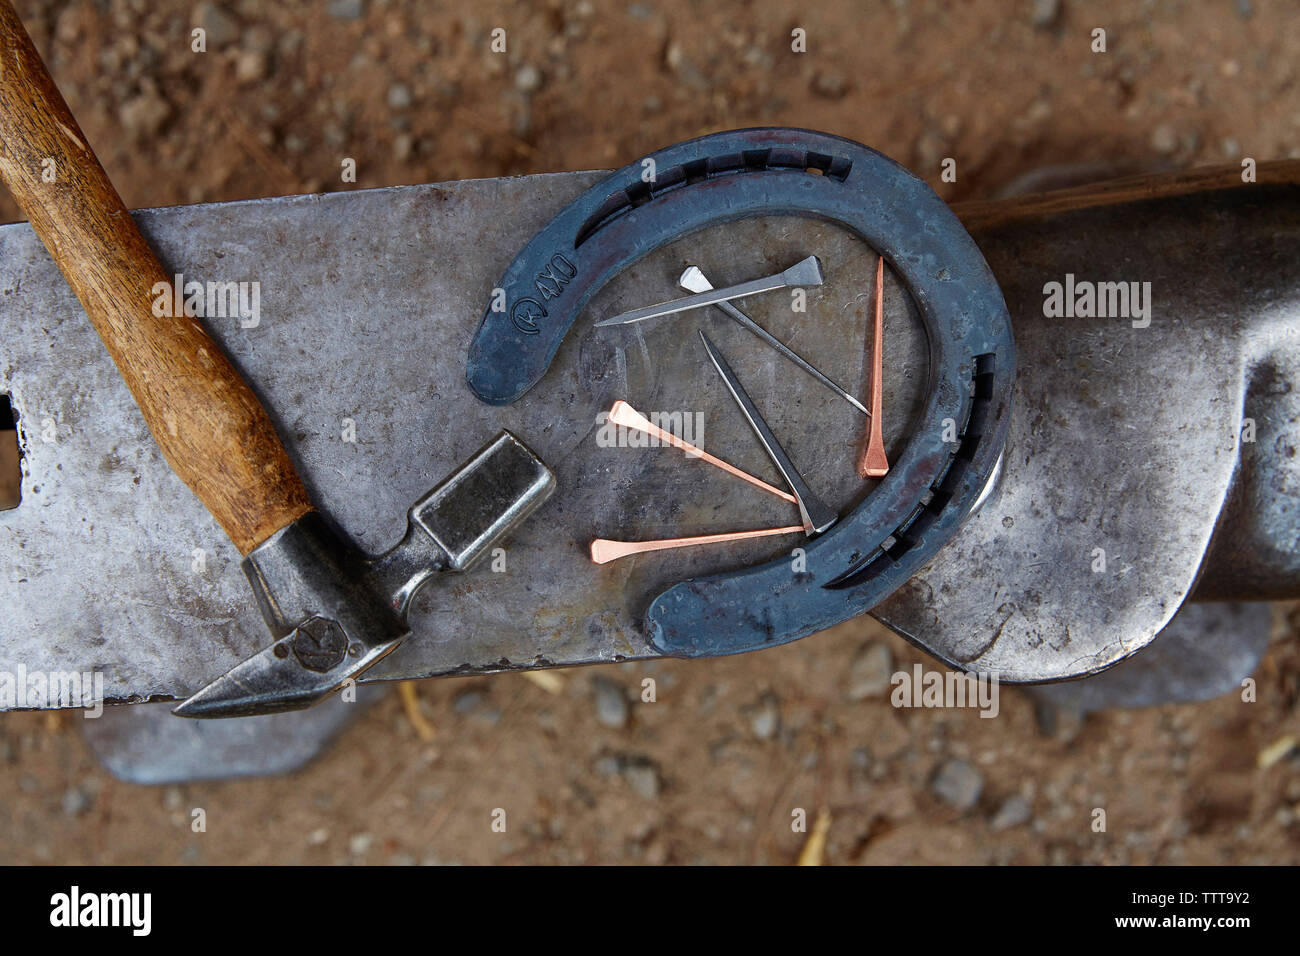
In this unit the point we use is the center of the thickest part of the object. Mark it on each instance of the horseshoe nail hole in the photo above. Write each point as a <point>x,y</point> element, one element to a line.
<point>11,475</point>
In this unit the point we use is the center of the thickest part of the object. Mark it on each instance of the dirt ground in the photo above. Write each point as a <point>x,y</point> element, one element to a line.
<point>712,771</point>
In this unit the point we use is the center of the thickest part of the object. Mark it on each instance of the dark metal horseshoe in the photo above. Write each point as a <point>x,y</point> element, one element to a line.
<point>933,485</point>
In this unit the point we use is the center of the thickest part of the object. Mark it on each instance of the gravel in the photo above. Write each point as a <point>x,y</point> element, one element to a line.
<point>642,775</point>
<point>220,28</point>
<point>870,672</point>
<point>76,801</point>
<point>144,115</point>
<point>957,784</point>
<point>468,701</point>
<point>1015,811</point>
<point>1046,13</point>
<point>346,9</point>
<point>1164,139</point>
<point>360,844</point>
<point>611,702</point>
<point>766,718</point>
<point>830,84</point>
<point>528,79</point>
<point>399,96</point>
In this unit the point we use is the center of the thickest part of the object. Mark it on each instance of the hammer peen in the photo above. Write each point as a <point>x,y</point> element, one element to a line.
<point>333,610</point>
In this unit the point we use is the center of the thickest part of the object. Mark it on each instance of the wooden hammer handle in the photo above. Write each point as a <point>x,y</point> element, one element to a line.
<point>210,426</point>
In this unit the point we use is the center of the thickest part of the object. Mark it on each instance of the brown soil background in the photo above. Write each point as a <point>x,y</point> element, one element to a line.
<point>711,771</point>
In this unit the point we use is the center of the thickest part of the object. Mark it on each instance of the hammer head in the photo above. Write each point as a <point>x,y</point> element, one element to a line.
<point>477,506</point>
<point>335,612</point>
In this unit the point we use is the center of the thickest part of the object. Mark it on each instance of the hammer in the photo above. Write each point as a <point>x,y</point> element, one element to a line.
<point>332,610</point>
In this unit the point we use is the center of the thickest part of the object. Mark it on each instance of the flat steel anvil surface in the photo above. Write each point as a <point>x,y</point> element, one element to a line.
<point>1123,439</point>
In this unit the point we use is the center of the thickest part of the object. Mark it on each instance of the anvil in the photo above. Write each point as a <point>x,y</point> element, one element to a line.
<point>1142,466</point>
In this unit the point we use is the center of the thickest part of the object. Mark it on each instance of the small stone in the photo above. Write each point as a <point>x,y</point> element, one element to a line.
<point>68,28</point>
<point>1063,722</point>
<point>957,784</point>
<point>77,801</point>
<point>218,26</point>
<point>467,701</point>
<point>399,96</point>
<point>1015,811</point>
<point>251,66</point>
<point>830,84</point>
<point>290,42</point>
<point>318,837</point>
<point>144,115</point>
<point>173,799</point>
<point>766,720</point>
<point>528,79</point>
<point>1164,139</point>
<point>360,844</point>
<point>608,766</point>
<point>1045,13</point>
<point>640,11</point>
<point>346,9</point>
<point>403,146</point>
<point>611,702</point>
<point>930,149</point>
<point>259,39</point>
<point>687,72</point>
<point>870,672</point>
<point>642,776</point>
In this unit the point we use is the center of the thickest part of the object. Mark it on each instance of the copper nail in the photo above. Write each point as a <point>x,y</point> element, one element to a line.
<point>872,462</point>
<point>604,550</point>
<point>624,414</point>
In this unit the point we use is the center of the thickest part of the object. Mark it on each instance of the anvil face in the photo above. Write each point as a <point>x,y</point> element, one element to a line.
<point>367,303</point>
